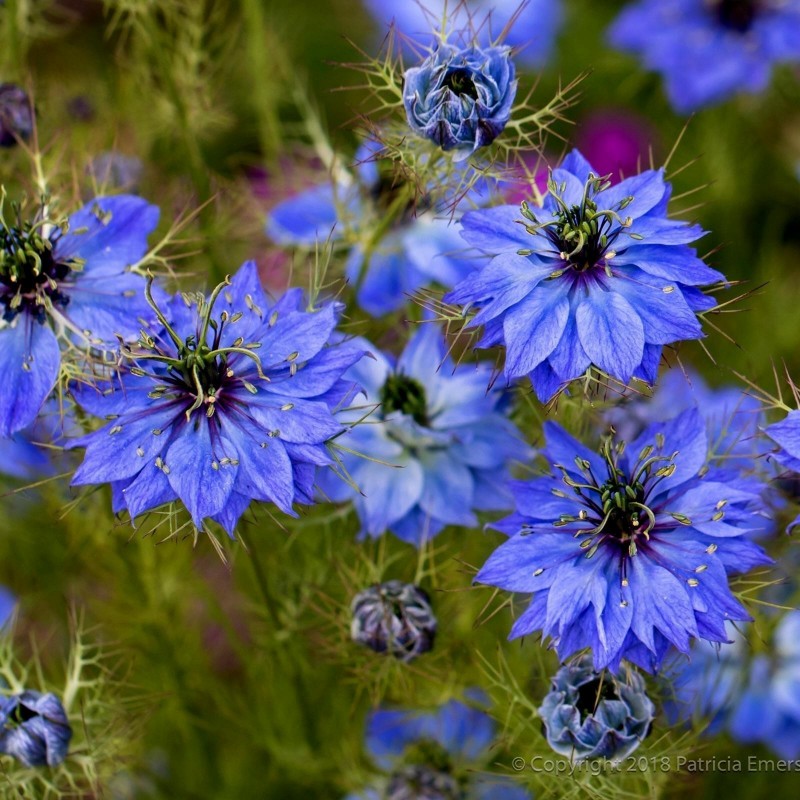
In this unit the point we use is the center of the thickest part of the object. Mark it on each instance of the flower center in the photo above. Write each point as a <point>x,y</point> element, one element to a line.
<point>196,367</point>
<point>581,234</point>
<point>617,506</point>
<point>427,774</point>
<point>29,275</point>
<point>738,15</point>
<point>406,395</point>
<point>592,693</point>
<point>459,82</point>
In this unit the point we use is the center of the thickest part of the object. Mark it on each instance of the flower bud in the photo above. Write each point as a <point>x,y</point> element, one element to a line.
<point>461,99</point>
<point>34,729</point>
<point>596,715</point>
<point>393,617</point>
<point>16,114</point>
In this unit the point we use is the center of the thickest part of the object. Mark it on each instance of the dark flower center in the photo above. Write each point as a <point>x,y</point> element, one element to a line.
<point>459,81</point>
<point>21,714</point>
<point>29,274</point>
<point>738,15</point>
<point>581,234</point>
<point>591,694</point>
<point>426,775</point>
<point>404,394</point>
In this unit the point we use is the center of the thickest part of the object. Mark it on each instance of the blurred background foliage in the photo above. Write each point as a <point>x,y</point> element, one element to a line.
<point>238,679</point>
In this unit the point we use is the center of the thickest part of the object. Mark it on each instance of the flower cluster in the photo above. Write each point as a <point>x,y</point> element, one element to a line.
<point>399,241</point>
<point>708,50</point>
<point>627,552</point>
<point>230,399</point>
<point>433,755</point>
<point>433,446</point>
<point>461,99</point>
<point>752,694</point>
<point>598,277</point>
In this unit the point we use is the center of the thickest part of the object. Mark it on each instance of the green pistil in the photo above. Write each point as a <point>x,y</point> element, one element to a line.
<point>201,367</point>
<point>404,394</point>
<point>459,81</point>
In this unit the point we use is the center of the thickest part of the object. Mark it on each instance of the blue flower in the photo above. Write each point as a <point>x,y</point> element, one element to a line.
<point>755,696</point>
<point>8,601</point>
<point>421,244</point>
<point>76,284</point>
<point>596,715</point>
<point>597,277</point>
<point>16,114</point>
<point>532,34</point>
<point>231,401</point>
<point>461,99</point>
<point>707,51</point>
<point>393,617</point>
<point>627,552</point>
<point>433,755</point>
<point>34,729</point>
<point>434,445</point>
<point>786,435</point>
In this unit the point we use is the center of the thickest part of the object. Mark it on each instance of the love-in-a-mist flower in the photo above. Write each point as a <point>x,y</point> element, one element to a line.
<point>627,551</point>
<point>393,617</point>
<point>529,27</point>
<point>750,687</point>
<point>461,98</point>
<point>34,729</point>
<point>434,755</point>
<point>435,445</point>
<point>786,435</point>
<point>708,50</point>
<point>597,277</point>
<point>231,400</point>
<point>590,714</point>
<point>399,241</point>
<point>69,282</point>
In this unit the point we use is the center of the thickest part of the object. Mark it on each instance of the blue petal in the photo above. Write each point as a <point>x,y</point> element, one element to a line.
<point>611,333</point>
<point>305,218</point>
<point>29,363</point>
<point>115,235</point>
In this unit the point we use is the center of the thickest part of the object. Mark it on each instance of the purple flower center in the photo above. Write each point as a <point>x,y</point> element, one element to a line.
<point>582,235</point>
<point>29,273</point>
<point>737,15</point>
<point>423,782</point>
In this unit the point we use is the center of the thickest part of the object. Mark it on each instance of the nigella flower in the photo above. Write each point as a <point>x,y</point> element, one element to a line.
<point>708,50</point>
<point>72,282</point>
<point>434,755</point>
<point>786,435</point>
<point>529,27</point>
<point>34,729</point>
<point>8,601</point>
<point>754,695</point>
<point>597,277</point>
<point>596,715</point>
<point>733,418</point>
<point>231,401</point>
<point>434,444</point>
<point>461,98</point>
<point>16,114</point>
<point>627,552</point>
<point>393,617</point>
<point>420,244</point>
